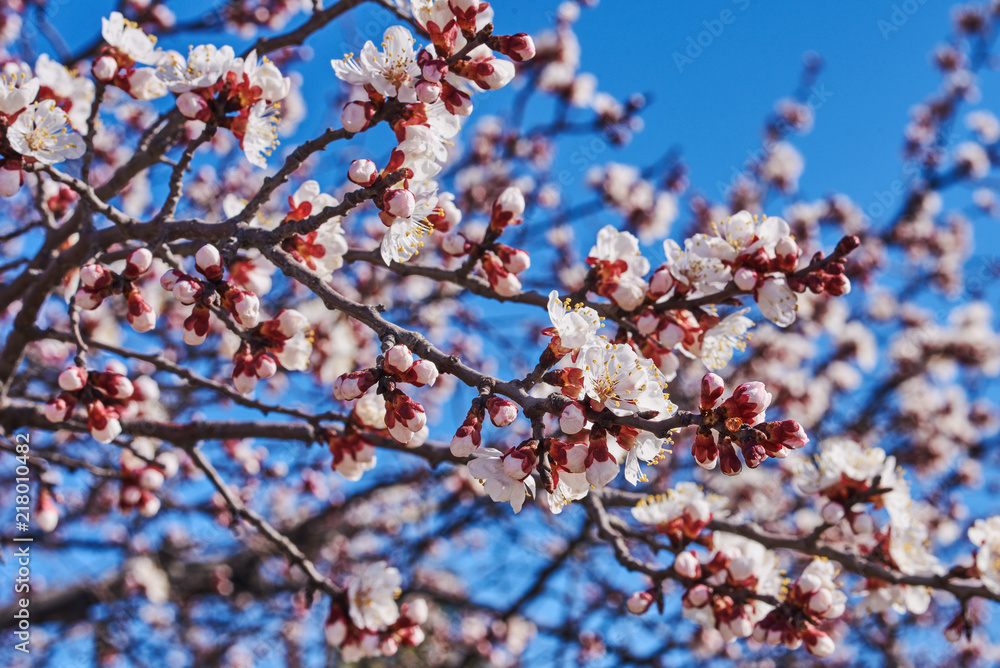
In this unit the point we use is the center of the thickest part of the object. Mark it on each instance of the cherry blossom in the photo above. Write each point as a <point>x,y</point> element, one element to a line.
<point>391,72</point>
<point>490,466</point>
<point>41,132</point>
<point>577,326</point>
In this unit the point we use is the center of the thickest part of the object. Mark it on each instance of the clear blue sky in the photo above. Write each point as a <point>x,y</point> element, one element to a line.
<point>711,105</point>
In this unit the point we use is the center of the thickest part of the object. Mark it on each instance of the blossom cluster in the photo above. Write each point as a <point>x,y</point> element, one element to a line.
<point>367,622</point>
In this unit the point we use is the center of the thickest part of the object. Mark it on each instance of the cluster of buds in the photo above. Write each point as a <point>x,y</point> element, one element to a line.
<point>46,513</point>
<point>405,418</point>
<point>352,453</point>
<point>356,643</point>
<point>590,458</point>
<point>143,476</point>
<point>738,422</point>
<point>97,282</point>
<point>468,438</point>
<point>501,263</point>
<point>202,294</point>
<point>104,393</point>
<point>284,339</point>
<point>728,590</point>
<point>830,279</point>
<point>813,599</point>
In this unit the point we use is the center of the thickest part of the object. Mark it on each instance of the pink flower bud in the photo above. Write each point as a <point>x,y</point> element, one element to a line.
<point>89,300</point>
<point>818,643</point>
<point>821,601</point>
<point>745,278</point>
<point>149,505</point>
<point>138,263</point>
<point>209,262</point>
<point>455,101</point>
<point>169,463</point>
<point>519,463</point>
<point>519,47</point>
<point>511,201</point>
<point>502,411</point>
<point>492,73</point>
<point>838,285</point>
<point>601,467</point>
<point>712,388</point>
<point>196,326</point>
<point>140,314</point>
<point>47,515</point>
<point>571,457</point>
<point>705,451</point>
<point>362,172</point>
<point>170,279</point>
<point>697,514</point>
<point>573,418</point>
<point>151,479</point>
<point>514,260</point>
<point>729,462</point>
<point>104,68</point>
<point>697,596</point>
<point>398,202</point>
<point>103,423</point>
<point>187,292</point>
<point>639,602</point>
<point>246,308</point>
<point>59,408</point>
<point>116,385</point>
<point>73,379</point>
<point>350,386</point>
<point>832,512</point>
<point>398,359</point>
<point>432,70</point>
<point>748,403</point>
<point>291,322</point>
<point>191,105</point>
<point>660,282</point>
<point>425,371</point>
<point>455,244</point>
<point>786,246</point>
<point>465,441</point>
<point>245,381</point>
<point>809,584</point>
<point>11,178</point>
<point>264,365</point>
<point>686,565</point>
<point>428,92</point>
<point>356,115</point>
<point>95,277</point>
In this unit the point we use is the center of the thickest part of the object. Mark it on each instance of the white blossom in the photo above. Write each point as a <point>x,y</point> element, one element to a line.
<point>41,132</point>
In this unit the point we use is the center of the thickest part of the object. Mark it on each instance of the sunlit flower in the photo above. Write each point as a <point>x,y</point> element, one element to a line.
<point>391,72</point>
<point>616,378</point>
<point>372,596</point>
<point>41,132</point>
